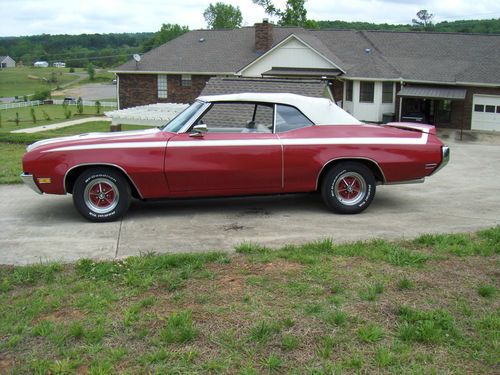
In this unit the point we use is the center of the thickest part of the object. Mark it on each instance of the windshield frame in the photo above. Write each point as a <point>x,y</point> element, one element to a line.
<point>184,120</point>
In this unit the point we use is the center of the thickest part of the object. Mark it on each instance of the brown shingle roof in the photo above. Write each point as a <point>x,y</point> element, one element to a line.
<point>437,57</point>
<point>235,85</point>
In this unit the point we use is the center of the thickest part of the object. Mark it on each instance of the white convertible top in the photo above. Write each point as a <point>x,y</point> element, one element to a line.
<point>320,111</point>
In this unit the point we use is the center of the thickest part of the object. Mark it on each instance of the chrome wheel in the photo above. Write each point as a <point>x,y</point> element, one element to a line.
<point>101,196</point>
<point>350,188</point>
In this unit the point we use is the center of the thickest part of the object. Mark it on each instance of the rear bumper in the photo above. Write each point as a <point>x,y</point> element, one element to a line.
<point>445,158</point>
<point>30,181</point>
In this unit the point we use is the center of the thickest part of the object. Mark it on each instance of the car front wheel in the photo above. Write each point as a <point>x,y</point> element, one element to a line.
<point>348,188</point>
<point>101,194</point>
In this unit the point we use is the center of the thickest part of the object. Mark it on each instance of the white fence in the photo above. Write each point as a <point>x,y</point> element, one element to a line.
<point>89,103</point>
<point>20,104</point>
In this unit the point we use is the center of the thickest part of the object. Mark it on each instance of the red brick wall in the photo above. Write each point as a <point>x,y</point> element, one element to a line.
<point>137,89</point>
<point>180,94</point>
<point>142,89</point>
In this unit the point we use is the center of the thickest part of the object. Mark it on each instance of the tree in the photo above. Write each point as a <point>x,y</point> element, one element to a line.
<point>423,20</point>
<point>167,32</point>
<point>91,71</point>
<point>294,14</point>
<point>223,16</point>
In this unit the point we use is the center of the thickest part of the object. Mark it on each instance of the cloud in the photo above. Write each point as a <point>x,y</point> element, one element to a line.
<point>28,17</point>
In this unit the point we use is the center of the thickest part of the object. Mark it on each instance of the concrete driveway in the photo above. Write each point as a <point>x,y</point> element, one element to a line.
<point>465,196</point>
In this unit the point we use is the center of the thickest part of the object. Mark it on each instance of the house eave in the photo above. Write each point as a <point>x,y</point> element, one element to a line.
<point>404,80</point>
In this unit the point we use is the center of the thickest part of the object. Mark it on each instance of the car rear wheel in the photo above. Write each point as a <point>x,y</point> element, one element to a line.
<point>101,194</point>
<point>348,188</point>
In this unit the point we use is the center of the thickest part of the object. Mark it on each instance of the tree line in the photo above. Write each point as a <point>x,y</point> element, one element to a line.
<point>107,50</point>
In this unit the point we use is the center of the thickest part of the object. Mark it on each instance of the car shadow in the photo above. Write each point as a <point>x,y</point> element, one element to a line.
<point>231,206</point>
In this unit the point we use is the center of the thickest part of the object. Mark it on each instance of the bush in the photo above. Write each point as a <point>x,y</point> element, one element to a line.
<point>98,107</point>
<point>79,105</point>
<point>71,70</point>
<point>41,95</point>
<point>33,115</point>
<point>67,111</point>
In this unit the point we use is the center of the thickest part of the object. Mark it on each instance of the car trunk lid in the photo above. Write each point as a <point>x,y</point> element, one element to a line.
<point>422,128</point>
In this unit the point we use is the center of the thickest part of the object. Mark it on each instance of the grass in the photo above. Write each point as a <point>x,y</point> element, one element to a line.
<point>13,146</point>
<point>310,309</point>
<point>45,115</point>
<point>17,81</point>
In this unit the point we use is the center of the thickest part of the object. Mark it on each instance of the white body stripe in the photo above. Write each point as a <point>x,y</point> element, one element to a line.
<point>108,146</point>
<point>252,142</point>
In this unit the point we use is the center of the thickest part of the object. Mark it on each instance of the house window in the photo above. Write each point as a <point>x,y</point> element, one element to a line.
<point>490,109</point>
<point>186,80</point>
<point>348,91</point>
<point>387,92</point>
<point>162,86</point>
<point>478,108</point>
<point>366,92</point>
<point>498,108</point>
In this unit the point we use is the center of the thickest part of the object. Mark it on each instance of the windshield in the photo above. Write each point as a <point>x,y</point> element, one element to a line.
<point>182,118</point>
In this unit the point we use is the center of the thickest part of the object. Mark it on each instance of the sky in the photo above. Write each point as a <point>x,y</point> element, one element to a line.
<point>31,17</point>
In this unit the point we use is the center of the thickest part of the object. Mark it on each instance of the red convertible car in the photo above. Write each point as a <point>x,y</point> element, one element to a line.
<point>241,144</point>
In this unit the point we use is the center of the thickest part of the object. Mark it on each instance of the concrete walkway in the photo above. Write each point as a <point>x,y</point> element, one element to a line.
<point>59,125</point>
<point>464,196</point>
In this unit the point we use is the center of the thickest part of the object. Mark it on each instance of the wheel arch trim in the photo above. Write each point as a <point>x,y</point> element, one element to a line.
<point>347,158</point>
<point>98,165</point>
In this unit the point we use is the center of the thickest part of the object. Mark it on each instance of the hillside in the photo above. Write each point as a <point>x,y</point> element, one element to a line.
<point>491,26</point>
<point>103,50</point>
<point>107,50</point>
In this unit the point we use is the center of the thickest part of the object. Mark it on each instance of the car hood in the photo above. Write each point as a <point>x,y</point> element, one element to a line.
<point>97,138</point>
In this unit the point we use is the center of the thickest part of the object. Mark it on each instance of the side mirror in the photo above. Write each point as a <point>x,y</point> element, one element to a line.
<point>199,130</point>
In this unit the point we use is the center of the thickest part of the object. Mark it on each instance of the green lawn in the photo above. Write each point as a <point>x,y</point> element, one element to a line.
<point>13,146</point>
<point>17,81</point>
<point>45,114</point>
<point>427,306</point>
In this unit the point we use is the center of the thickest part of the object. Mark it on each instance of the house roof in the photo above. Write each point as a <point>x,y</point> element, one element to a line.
<point>452,58</point>
<point>235,85</point>
<point>433,92</point>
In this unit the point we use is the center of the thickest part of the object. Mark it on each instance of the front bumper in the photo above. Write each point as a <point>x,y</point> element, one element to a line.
<point>30,181</point>
<point>445,158</point>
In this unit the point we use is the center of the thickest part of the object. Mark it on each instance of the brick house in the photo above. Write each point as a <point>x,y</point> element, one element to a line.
<point>448,79</point>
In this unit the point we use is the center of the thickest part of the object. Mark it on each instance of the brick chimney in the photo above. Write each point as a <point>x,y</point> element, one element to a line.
<point>263,36</point>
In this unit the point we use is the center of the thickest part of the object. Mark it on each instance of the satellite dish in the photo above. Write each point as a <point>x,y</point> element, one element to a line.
<point>137,57</point>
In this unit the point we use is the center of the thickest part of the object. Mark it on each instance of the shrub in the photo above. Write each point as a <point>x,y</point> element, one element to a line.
<point>91,71</point>
<point>16,120</point>
<point>33,115</point>
<point>41,95</point>
<point>46,116</point>
<point>98,107</point>
<point>67,111</point>
<point>79,105</point>
<point>71,70</point>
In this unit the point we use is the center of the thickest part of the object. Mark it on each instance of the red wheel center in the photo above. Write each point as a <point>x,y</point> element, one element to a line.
<point>349,188</point>
<point>102,194</point>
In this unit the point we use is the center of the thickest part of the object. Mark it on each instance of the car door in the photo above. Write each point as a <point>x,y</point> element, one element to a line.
<point>237,154</point>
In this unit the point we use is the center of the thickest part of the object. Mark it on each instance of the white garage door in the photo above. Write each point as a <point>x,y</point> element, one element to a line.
<point>486,112</point>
